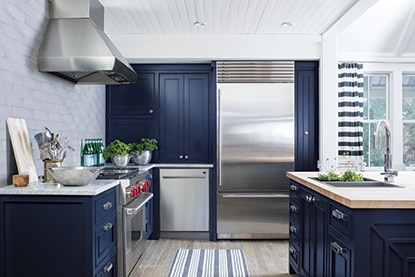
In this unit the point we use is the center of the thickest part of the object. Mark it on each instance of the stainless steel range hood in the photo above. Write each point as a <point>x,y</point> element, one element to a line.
<point>76,48</point>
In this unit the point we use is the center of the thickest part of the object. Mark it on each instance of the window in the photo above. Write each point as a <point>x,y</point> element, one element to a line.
<point>375,107</point>
<point>408,119</point>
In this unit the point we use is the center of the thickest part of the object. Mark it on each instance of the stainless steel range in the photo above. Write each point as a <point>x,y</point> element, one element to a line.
<point>131,214</point>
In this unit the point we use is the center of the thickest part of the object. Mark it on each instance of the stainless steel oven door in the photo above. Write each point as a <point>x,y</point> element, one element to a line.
<point>134,233</point>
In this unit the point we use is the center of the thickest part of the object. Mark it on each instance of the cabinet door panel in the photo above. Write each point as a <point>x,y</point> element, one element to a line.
<point>45,238</point>
<point>171,117</point>
<point>339,258</point>
<point>129,129</point>
<point>306,116</point>
<point>136,99</point>
<point>196,142</point>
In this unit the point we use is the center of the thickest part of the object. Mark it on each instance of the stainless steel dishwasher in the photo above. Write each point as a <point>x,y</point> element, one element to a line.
<point>184,202</point>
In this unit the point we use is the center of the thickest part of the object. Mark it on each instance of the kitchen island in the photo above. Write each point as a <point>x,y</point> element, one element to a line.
<point>352,231</point>
<point>52,230</point>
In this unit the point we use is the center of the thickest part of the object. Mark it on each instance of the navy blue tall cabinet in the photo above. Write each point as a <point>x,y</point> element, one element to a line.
<point>306,109</point>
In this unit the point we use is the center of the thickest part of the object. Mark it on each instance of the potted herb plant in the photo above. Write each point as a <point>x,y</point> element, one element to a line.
<point>142,151</point>
<point>118,152</point>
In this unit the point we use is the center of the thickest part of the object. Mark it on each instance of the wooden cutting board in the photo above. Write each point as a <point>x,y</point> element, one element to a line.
<point>22,149</point>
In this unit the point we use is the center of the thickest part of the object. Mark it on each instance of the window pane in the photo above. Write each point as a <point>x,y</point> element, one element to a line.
<point>372,156</point>
<point>409,144</point>
<point>377,92</point>
<point>408,97</point>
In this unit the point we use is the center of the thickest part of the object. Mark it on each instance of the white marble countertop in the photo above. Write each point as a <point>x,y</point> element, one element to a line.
<point>164,165</point>
<point>183,165</point>
<point>40,188</point>
<point>400,197</point>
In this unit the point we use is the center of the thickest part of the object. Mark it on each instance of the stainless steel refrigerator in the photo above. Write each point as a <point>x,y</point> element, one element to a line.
<point>255,150</point>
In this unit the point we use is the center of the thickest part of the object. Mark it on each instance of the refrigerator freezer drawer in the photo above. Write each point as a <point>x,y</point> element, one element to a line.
<point>252,215</point>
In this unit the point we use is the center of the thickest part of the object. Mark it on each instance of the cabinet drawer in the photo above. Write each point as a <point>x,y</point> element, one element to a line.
<point>294,255</point>
<point>105,239</point>
<point>340,219</point>
<point>107,268</point>
<point>105,205</point>
<point>294,230</point>
<point>294,211</point>
<point>294,191</point>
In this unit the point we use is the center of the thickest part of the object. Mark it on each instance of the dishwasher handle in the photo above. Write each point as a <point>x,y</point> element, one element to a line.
<point>184,177</point>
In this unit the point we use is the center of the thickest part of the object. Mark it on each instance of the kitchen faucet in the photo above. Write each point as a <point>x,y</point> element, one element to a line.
<point>389,173</point>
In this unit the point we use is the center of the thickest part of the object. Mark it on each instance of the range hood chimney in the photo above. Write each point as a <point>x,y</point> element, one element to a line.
<point>76,48</point>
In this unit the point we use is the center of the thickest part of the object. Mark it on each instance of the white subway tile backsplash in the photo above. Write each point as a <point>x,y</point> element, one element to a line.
<point>74,111</point>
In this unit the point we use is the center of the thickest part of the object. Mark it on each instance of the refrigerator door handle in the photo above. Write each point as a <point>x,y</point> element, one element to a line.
<point>219,153</point>
<point>254,195</point>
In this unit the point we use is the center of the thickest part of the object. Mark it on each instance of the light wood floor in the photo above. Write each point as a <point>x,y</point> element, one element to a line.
<point>264,258</point>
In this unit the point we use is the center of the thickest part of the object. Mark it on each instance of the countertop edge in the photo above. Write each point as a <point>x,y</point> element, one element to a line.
<point>54,189</point>
<point>340,197</point>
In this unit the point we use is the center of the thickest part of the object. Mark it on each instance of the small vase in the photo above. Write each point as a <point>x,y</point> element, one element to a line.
<point>49,164</point>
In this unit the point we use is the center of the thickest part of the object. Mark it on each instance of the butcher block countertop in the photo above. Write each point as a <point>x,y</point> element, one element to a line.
<point>402,197</point>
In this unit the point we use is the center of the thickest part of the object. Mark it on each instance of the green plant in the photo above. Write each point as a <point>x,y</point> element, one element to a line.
<point>351,176</point>
<point>329,176</point>
<point>347,176</point>
<point>116,148</point>
<point>146,144</point>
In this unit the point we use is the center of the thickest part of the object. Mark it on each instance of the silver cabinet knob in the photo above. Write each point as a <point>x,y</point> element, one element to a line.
<point>186,157</point>
<point>305,132</point>
<point>181,157</point>
<point>150,111</point>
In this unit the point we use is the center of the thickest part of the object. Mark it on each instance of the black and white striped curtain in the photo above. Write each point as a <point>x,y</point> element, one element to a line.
<point>350,110</point>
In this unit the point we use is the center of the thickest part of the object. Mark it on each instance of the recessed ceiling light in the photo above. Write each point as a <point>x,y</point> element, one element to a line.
<point>287,24</point>
<point>200,23</point>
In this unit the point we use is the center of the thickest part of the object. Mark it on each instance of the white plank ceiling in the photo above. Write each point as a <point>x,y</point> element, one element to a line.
<point>388,26</point>
<point>222,16</point>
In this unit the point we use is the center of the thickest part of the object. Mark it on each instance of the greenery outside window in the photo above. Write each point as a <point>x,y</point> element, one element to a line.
<point>408,119</point>
<point>375,108</point>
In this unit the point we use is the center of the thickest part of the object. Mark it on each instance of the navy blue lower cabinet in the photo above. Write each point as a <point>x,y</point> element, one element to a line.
<point>333,240</point>
<point>58,235</point>
<point>313,226</point>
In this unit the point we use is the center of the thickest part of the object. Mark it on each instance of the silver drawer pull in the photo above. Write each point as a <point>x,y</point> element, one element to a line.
<point>293,229</point>
<point>293,208</point>
<point>292,250</point>
<point>108,267</point>
<point>293,187</point>
<point>337,214</point>
<point>310,198</point>
<point>108,226</point>
<point>107,206</point>
<point>336,248</point>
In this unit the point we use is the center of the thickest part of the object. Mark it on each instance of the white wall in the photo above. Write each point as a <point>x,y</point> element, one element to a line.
<point>74,111</point>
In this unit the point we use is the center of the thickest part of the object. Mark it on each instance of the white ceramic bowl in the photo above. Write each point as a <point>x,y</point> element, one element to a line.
<point>74,175</point>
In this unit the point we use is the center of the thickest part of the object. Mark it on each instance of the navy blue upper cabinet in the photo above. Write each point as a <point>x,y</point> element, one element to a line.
<point>171,103</point>
<point>137,99</point>
<point>184,118</point>
<point>306,115</point>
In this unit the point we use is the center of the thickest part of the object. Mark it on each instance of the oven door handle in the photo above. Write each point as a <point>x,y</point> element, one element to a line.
<point>135,206</point>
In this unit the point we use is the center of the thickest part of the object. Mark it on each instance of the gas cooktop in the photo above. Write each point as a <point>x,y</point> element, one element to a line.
<point>117,173</point>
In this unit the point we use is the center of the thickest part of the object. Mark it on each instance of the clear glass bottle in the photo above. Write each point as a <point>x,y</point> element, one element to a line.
<point>87,156</point>
<point>100,151</point>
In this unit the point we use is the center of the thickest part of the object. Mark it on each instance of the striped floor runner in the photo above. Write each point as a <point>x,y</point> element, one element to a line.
<point>209,263</point>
